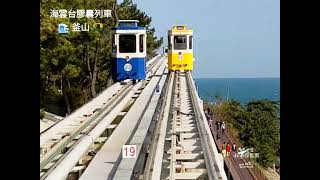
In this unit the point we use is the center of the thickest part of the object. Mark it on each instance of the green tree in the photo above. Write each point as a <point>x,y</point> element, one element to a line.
<point>261,130</point>
<point>234,112</point>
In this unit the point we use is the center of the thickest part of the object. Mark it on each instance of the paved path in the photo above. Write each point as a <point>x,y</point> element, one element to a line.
<point>232,163</point>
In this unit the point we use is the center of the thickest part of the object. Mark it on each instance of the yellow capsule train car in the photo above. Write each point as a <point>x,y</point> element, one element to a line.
<point>180,50</point>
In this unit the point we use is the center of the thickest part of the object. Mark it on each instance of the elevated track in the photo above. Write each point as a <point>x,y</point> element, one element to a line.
<point>163,116</point>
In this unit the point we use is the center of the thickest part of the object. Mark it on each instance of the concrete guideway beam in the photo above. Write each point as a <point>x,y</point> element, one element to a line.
<point>152,60</point>
<point>153,70</point>
<point>153,165</point>
<point>126,166</point>
<point>195,175</point>
<point>73,120</point>
<point>62,170</point>
<point>188,148</point>
<point>188,156</point>
<point>192,129</point>
<point>107,159</point>
<point>78,115</point>
<point>189,135</point>
<point>192,165</point>
<point>82,128</point>
<point>65,128</point>
<point>176,105</point>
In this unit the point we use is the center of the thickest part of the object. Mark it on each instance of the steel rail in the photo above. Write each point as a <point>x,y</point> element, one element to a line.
<point>159,138</point>
<point>173,140</point>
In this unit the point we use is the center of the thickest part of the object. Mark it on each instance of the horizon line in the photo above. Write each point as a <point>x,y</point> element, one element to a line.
<point>235,77</point>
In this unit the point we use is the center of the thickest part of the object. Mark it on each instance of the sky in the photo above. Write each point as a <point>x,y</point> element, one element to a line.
<point>232,38</point>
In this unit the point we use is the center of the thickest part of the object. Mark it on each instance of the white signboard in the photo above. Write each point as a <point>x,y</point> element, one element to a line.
<point>129,151</point>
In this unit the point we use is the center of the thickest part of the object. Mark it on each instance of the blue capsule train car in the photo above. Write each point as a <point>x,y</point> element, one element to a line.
<point>129,51</point>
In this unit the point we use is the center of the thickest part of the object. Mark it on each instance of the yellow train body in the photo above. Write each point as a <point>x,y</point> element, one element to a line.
<point>180,48</point>
<point>184,62</point>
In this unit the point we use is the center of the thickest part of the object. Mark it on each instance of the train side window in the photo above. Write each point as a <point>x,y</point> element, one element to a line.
<point>180,42</point>
<point>127,43</point>
<point>169,42</point>
<point>141,38</point>
<point>190,42</point>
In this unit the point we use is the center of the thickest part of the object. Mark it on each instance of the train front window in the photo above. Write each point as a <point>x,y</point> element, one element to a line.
<point>127,43</point>
<point>180,42</point>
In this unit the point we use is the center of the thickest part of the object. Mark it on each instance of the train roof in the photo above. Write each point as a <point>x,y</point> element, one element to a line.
<point>180,29</point>
<point>127,20</point>
<point>128,25</point>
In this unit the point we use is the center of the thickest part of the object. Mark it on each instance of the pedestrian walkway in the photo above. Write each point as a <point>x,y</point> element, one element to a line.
<point>234,164</point>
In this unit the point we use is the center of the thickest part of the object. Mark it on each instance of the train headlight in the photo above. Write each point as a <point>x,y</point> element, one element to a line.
<point>180,57</point>
<point>127,58</point>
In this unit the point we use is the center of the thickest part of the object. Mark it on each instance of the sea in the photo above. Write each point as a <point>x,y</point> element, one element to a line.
<point>241,89</point>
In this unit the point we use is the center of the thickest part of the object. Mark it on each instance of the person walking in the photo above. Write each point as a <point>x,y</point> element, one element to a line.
<point>223,127</point>
<point>211,123</point>
<point>228,148</point>
<point>234,150</point>
<point>209,111</point>
<point>223,149</point>
<point>219,125</point>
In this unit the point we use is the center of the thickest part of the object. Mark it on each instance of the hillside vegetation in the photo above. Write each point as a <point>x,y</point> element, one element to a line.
<point>76,66</point>
<point>256,125</point>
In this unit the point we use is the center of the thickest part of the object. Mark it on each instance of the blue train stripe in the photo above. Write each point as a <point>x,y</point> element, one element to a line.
<point>134,69</point>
